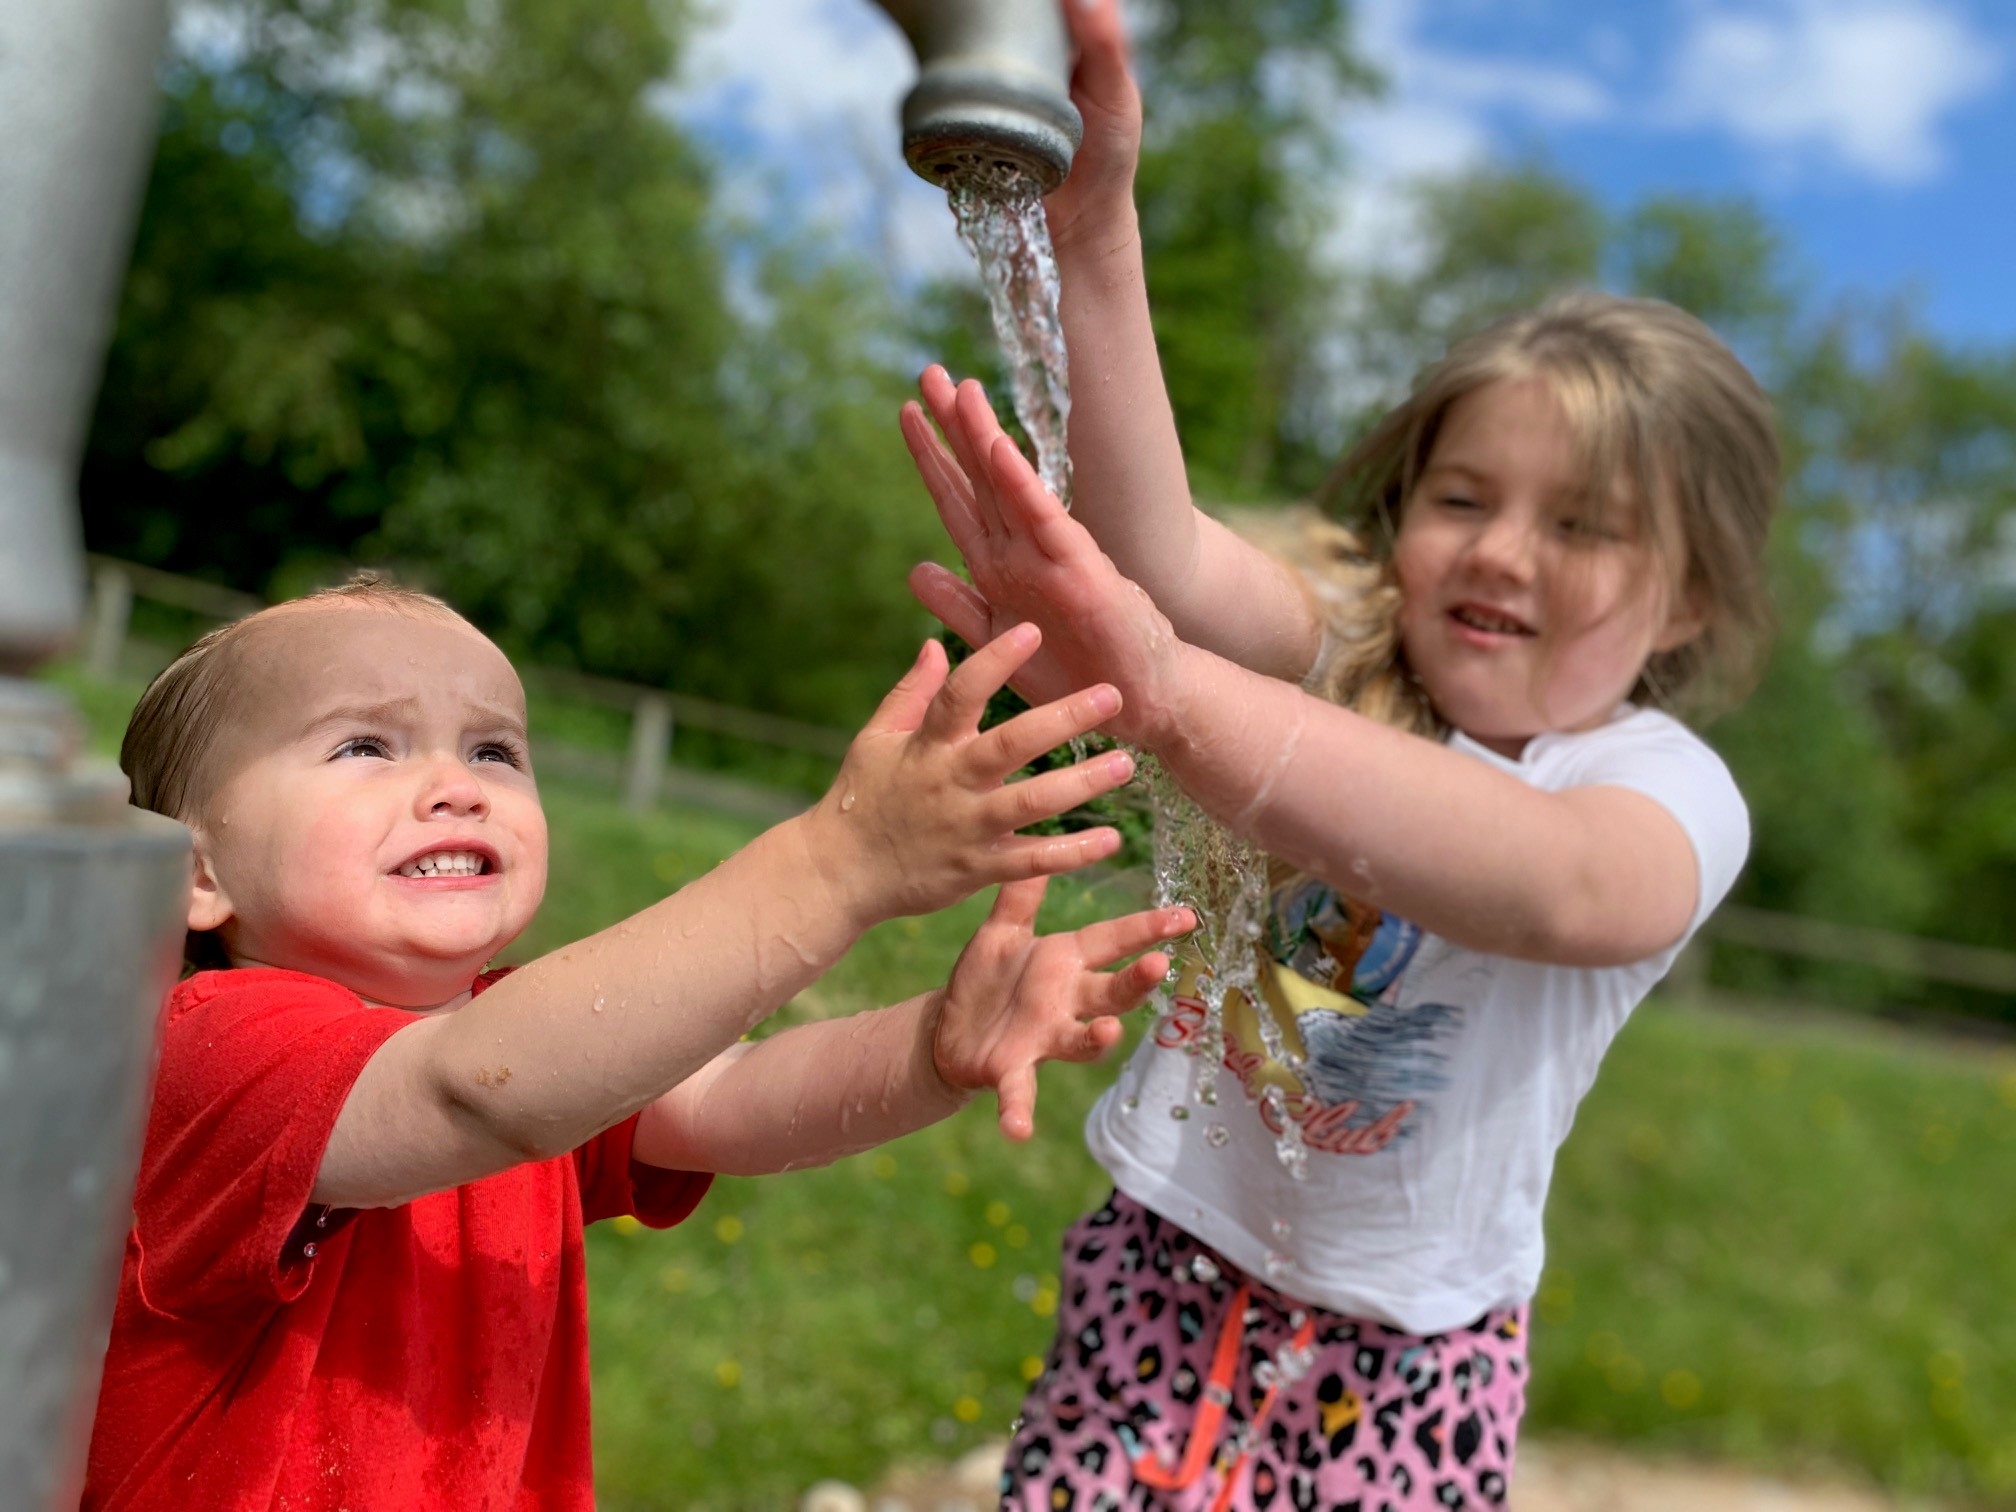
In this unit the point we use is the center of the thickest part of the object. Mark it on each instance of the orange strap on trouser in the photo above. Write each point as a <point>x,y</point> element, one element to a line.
<point>1210,1419</point>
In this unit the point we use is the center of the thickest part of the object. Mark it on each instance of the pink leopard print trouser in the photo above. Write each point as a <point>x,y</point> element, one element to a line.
<point>1157,1397</point>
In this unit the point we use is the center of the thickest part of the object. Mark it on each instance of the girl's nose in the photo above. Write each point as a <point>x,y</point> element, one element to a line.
<point>450,791</point>
<point>1505,546</point>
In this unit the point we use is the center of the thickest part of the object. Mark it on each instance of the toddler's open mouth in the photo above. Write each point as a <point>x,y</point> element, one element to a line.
<point>458,862</point>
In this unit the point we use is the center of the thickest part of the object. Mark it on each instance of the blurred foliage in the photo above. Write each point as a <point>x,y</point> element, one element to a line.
<point>1876,753</point>
<point>432,281</point>
<point>437,283</point>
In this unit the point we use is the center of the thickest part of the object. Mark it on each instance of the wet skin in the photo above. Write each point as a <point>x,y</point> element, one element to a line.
<point>364,740</point>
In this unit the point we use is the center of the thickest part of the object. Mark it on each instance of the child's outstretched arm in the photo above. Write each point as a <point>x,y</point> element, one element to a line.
<point>920,816</point>
<point>1133,495</point>
<point>815,1093</point>
<point>1592,876</point>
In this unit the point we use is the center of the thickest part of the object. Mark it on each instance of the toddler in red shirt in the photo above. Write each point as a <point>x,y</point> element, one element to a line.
<point>354,1278</point>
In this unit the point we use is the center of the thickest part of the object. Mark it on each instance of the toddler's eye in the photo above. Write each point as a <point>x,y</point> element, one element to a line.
<point>1458,501</point>
<point>365,745</point>
<point>495,750</point>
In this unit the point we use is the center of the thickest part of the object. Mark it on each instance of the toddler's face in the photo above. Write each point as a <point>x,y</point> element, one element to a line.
<point>1520,612</point>
<point>377,823</point>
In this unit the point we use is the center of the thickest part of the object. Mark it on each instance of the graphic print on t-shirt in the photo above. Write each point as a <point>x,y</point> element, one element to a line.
<point>1332,971</point>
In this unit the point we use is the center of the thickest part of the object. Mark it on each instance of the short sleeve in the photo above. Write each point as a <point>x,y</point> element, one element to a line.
<point>255,1067</point>
<point>1661,758</point>
<point>616,1184</point>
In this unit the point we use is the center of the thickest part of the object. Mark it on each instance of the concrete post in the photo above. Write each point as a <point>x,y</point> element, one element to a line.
<point>92,893</point>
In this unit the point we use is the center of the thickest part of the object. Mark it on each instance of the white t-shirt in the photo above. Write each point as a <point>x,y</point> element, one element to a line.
<point>1438,1081</point>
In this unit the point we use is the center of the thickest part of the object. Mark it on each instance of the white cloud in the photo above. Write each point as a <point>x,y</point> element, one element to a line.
<point>1438,117</point>
<point>1866,84</point>
<point>806,92</point>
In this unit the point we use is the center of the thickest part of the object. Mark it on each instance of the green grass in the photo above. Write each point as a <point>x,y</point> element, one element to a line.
<point>1788,1241</point>
<point>1784,1241</point>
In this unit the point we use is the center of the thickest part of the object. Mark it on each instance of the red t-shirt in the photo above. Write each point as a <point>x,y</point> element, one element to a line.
<point>266,1354</point>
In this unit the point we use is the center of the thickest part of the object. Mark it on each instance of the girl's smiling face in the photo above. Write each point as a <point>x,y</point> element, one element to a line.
<point>376,822</point>
<point>1522,609</point>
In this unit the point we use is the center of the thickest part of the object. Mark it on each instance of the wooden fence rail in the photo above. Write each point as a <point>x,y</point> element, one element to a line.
<point>655,712</point>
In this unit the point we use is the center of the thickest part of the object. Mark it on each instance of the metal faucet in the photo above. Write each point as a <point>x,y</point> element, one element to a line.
<point>993,90</point>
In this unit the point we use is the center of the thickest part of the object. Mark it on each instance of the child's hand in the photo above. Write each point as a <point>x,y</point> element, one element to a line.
<point>1016,999</point>
<point>922,814</point>
<point>1031,561</point>
<point>1099,193</point>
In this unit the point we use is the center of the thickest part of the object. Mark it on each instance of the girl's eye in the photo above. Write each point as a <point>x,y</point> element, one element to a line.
<point>495,750</point>
<point>1458,501</point>
<point>365,745</point>
<point>1586,528</point>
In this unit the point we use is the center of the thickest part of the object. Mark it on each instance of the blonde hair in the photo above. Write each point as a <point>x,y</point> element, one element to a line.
<point>168,753</point>
<point>1655,400</point>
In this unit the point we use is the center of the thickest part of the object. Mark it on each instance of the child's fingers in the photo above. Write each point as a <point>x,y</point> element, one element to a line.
<point>1122,991</point>
<point>1016,1094</point>
<point>1026,508</point>
<point>904,706</point>
<point>1016,903</point>
<point>950,488</point>
<point>1110,940</point>
<point>1013,744</point>
<point>1099,1036</point>
<point>1084,1042</point>
<point>1100,79</point>
<point>941,395</point>
<point>968,422</point>
<point>954,601</point>
<point>974,432</point>
<point>1047,855</point>
<point>1021,804</point>
<point>956,711</point>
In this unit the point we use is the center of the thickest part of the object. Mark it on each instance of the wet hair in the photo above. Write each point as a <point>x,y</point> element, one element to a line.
<point>170,748</point>
<point>1662,413</point>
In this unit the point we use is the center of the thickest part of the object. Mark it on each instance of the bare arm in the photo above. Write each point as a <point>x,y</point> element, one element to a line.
<point>1594,876</point>
<point>1219,591</point>
<point>815,1093</point>
<point>591,1033</point>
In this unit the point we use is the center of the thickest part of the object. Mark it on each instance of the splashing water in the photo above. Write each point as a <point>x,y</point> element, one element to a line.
<point>1200,862</point>
<point>999,210</point>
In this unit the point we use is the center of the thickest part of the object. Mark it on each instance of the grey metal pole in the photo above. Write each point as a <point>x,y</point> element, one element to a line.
<point>993,88</point>
<point>92,893</point>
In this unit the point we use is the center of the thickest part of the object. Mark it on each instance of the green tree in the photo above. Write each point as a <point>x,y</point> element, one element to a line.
<point>433,281</point>
<point>1236,172</point>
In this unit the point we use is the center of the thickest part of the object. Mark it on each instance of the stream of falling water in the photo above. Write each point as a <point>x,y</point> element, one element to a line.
<point>999,211</point>
<point>1197,860</point>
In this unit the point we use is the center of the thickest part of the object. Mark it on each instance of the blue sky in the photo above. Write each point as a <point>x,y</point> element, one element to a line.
<point>1876,133</point>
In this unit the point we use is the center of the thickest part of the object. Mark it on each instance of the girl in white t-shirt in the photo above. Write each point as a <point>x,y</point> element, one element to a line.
<point>1491,835</point>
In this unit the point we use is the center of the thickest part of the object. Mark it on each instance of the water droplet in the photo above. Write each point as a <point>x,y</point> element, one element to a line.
<point>1130,1103</point>
<point>1203,1268</point>
<point>1281,1228</point>
<point>598,1005</point>
<point>1178,1112</point>
<point>1278,1265</point>
<point>847,802</point>
<point>1217,1135</point>
<point>308,1250</point>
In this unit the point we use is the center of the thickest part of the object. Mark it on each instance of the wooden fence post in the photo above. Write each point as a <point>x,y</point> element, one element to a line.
<point>111,612</point>
<point>650,749</point>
